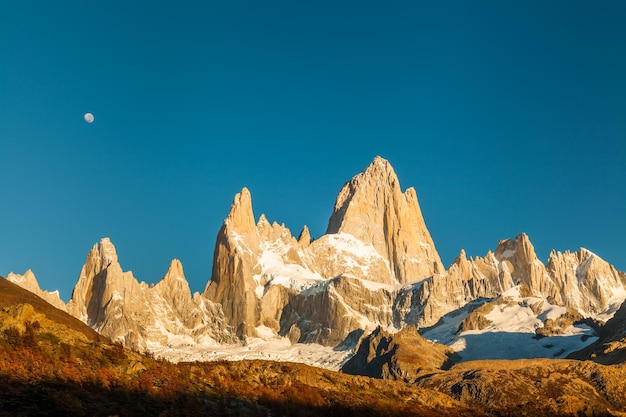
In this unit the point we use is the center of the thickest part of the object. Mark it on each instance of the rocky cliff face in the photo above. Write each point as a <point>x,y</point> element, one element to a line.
<point>579,280</point>
<point>116,305</point>
<point>372,208</point>
<point>235,260</point>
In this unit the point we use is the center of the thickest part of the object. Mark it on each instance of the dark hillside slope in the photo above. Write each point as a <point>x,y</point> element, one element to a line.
<point>12,295</point>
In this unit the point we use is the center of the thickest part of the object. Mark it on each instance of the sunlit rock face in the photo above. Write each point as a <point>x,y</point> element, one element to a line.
<point>376,234</point>
<point>377,265</point>
<point>234,262</point>
<point>580,280</point>
<point>372,208</point>
<point>141,316</point>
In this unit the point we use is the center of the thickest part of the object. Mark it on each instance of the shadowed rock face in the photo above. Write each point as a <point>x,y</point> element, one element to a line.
<point>404,356</point>
<point>610,348</point>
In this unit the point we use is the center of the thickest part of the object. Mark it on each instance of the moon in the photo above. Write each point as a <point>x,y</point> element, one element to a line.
<point>88,117</point>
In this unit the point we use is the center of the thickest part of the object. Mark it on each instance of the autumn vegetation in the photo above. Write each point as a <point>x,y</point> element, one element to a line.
<point>42,373</point>
<point>52,364</point>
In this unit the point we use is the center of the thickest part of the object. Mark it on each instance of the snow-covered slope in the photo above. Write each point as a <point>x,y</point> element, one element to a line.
<point>513,327</point>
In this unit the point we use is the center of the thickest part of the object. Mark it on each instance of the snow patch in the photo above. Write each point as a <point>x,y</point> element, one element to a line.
<point>509,253</point>
<point>274,270</point>
<point>265,333</point>
<point>259,291</point>
<point>276,349</point>
<point>345,242</point>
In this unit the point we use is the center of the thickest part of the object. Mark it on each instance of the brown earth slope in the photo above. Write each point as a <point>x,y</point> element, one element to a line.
<point>50,367</point>
<point>12,294</point>
<point>535,387</point>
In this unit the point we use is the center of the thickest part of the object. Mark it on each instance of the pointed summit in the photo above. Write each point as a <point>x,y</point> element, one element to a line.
<point>174,290</point>
<point>100,273</point>
<point>107,251</point>
<point>176,267</point>
<point>241,217</point>
<point>372,208</point>
<point>232,284</point>
<point>304,238</point>
<point>175,274</point>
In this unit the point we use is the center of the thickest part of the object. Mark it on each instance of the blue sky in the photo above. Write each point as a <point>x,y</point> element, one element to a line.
<point>506,117</point>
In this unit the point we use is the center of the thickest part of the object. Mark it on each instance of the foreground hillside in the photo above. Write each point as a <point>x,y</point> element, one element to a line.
<point>55,367</point>
<point>535,387</point>
<point>48,367</point>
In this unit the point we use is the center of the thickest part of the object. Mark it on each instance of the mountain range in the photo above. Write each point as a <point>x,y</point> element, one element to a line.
<point>374,277</point>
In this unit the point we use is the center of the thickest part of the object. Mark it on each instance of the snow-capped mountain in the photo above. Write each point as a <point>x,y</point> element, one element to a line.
<point>274,295</point>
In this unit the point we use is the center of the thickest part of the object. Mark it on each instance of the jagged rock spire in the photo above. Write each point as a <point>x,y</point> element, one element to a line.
<point>115,304</point>
<point>373,208</point>
<point>232,284</point>
<point>240,219</point>
<point>304,238</point>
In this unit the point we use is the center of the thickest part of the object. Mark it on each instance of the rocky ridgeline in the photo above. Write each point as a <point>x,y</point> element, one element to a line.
<point>28,281</point>
<point>116,305</point>
<point>377,265</point>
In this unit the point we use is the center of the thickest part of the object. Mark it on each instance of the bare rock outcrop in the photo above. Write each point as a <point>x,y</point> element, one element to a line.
<point>404,356</point>
<point>579,280</point>
<point>586,282</point>
<point>466,280</point>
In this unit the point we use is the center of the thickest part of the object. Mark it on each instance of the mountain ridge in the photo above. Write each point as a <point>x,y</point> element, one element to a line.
<point>377,266</point>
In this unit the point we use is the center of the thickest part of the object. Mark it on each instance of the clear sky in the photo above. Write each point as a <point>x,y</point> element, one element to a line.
<point>506,117</point>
